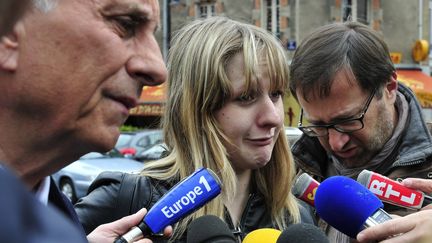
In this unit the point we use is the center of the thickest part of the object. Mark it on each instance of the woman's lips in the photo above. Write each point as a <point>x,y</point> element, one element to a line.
<point>261,141</point>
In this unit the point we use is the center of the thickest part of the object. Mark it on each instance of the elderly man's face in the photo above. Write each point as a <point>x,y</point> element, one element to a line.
<point>80,67</point>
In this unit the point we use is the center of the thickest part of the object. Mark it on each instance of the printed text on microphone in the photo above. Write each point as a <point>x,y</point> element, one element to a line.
<point>189,198</point>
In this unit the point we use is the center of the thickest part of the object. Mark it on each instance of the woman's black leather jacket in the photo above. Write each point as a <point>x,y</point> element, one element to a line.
<point>114,195</point>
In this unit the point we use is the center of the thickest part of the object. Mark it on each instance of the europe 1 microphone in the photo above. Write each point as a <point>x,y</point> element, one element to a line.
<point>183,199</point>
<point>393,192</point>
<point>348,206</point>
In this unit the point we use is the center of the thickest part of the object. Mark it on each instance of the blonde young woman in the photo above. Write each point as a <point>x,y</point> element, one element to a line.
<point>224,112</point>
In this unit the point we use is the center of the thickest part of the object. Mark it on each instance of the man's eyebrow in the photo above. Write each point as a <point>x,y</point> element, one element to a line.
<point>144,15</point>
<point>338,118</point>
<point>138,10</point>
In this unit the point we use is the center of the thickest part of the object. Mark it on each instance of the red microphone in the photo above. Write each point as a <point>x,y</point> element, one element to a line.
<point>393,192</point>
<point>305,188</point>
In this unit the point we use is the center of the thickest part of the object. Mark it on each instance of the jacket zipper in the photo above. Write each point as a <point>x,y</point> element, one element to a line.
<point>414,162</point>
<point>238,233</point>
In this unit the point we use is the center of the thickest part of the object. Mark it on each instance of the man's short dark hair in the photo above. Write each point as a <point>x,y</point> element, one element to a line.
<point>350,47</point>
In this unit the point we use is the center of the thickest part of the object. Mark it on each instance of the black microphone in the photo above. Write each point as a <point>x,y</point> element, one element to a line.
<point>305,233</point>
<point>209,228</point>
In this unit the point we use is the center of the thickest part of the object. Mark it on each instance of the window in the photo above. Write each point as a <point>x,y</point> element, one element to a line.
<point>272,13</point>
<point>356,10</point>
<point>205,10</point>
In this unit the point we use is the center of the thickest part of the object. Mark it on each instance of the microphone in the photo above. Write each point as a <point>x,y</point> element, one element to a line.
<point>306,233</point>
<point>209,228</point>
<point>392,191</point>
<point>184,198</point>
<point>305,188</point>
<point>348,206</point>
<point>264,235</point>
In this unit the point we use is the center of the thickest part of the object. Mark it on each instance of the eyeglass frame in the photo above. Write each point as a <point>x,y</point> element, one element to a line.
<point>333,125</point>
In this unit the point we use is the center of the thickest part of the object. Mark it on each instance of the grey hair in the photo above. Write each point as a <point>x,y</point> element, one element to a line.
<point>45,5</point>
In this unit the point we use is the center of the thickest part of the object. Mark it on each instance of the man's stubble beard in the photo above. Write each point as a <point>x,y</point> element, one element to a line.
<point>382,132</point>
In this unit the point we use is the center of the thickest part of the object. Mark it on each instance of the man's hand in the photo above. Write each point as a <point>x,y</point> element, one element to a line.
<point>416,227</point>
<point>111,231</point>
<point>424,185</point>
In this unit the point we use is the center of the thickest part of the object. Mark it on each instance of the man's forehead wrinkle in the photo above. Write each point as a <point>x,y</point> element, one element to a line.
<point>148,8</point>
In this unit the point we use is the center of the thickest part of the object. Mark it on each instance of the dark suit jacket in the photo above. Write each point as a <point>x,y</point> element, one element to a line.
<point>24,219</point>
<point>58,200</point>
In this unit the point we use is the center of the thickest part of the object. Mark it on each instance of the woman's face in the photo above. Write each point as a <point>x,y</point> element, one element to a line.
<point>251,121</point>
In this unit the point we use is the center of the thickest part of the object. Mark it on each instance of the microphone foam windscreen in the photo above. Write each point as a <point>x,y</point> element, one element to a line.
<point>305,233</point>
<point>345,204</point>
<point>264,235</point>
<point>301,185</point>
<point>364,177</point>
<point>209,228</point>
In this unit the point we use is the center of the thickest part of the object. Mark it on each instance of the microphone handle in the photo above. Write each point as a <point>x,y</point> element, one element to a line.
<point>134,234</point>
<point>427,200</point>
<point>379,217</point>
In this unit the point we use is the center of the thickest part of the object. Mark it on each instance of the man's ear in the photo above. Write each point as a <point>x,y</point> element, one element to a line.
<point>391,87</point>
<point>9,49</point>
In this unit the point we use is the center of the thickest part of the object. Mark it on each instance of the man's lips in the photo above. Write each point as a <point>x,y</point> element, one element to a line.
<point>127,101</point>
<point>347,153</point>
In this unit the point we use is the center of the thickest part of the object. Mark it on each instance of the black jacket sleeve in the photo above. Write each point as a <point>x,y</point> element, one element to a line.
<point>307,213</point>
<point>100,204</point>
<point>114,195</point>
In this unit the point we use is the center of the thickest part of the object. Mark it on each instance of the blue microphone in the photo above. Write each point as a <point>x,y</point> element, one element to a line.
<point>183,199</point>
<point>348,206</point>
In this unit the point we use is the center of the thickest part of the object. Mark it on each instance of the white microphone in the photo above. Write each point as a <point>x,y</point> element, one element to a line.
<point>393,192</point>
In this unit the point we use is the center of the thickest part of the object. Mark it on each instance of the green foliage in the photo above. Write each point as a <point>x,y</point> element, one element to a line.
<point>128,128</point>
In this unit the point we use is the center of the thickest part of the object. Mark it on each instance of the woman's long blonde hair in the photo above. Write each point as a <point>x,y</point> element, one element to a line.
<point>197,87</point>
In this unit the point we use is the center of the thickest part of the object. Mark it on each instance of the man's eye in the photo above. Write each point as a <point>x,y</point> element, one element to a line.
<point>127,25</point>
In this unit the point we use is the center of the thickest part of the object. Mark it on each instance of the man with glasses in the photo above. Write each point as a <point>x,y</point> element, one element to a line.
<point>355,115</point>
<point>344,126</point>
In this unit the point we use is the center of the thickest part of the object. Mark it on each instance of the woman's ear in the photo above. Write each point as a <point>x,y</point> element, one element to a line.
<point>9,49</point>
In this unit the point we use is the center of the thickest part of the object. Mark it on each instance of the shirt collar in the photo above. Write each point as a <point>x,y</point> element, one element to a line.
<point>42,191</point>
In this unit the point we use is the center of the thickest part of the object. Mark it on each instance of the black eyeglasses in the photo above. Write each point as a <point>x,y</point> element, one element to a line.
<point>344,126</point>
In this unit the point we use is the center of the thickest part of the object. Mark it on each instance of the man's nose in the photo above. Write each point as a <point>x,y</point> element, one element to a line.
<point>337,140</point>
<point>147,65</point>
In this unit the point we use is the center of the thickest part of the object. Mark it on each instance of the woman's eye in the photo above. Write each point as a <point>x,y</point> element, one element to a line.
<point>276,94</point>
<point>245,98</point>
